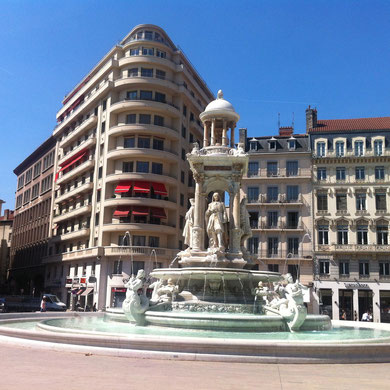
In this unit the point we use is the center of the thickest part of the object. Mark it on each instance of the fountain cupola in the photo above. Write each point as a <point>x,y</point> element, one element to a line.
<point>218,117</point>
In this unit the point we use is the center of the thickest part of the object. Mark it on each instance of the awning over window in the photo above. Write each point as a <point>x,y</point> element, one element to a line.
<point>122,211</point>
<point>87,291</point>
<point>140,210</point>
<point>71,161</point>
<point>158,212</point>
<point>80,291</point>
<point>123,186</point>
<point>142,186</point>
<point>159,188</point>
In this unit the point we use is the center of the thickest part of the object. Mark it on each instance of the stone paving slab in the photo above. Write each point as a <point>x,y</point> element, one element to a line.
<point>25,368</point>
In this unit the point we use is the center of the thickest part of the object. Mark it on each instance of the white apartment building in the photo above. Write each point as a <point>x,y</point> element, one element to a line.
<point>351,170</point>
<point>122,184</point>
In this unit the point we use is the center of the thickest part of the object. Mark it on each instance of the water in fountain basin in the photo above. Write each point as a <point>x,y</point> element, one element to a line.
<point>204,285</point>
<point>242,288</point>
<point>223,287</point>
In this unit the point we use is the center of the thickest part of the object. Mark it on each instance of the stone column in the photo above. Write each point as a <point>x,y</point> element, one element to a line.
<point>212,138</point>
<point>198,230</point>
<point>232,135</point>
<point>205,135</point>
<point>236,230</point>
<point>224,134</point>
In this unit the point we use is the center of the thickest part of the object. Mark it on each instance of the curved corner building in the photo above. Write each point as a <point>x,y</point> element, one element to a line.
<point>122,184</point>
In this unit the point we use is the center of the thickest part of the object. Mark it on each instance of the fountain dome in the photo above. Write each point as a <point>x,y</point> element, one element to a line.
<point>220,108</point>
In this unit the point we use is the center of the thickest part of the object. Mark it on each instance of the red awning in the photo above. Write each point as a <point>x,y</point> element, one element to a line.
<point>71,161</point>
<point>122,211</point>
<point>142,186</point>
<point>140,210</point>
<point>123,186</point>
<point>159,188</point>
<point>158,212</point>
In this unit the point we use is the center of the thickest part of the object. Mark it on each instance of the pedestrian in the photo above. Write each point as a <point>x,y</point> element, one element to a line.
<point>94,307</point>
<point>43,304</point>
<point>343,315</point>
<point>365,316</point>
<point>355,316</point>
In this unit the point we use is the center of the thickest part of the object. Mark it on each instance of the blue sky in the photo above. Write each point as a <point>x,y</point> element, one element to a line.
<point>267,56</point>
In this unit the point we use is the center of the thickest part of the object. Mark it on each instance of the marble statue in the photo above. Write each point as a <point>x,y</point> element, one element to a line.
<point>261,293</point>
<point>245,225</point>
<point>187,231</point>
<point>136,302</point>
<point>216,220</point>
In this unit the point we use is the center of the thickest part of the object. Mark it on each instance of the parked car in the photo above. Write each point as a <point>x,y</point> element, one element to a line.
<point>3,307</point>
<point>53,303</point>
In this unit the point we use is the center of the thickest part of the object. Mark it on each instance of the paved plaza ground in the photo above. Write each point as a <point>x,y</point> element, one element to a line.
<point>23,368</point>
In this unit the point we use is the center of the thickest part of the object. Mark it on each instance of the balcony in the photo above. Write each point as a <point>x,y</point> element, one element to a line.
<point>140,201</point>
<point>281,200</point>
<point>164,154</point>
<point>152,177</point>
<point>138,128</point>
<point>78,131</point>
<point>73,213</point>
<point>284,255</point>
<point>88,164</point>
<point>155,106</point>
<point>87,187</point>
<point>135,228</point>
<point>117,251</point>
<point>72,235</point>
<point>83,145</point>
<point>361,248</point>
<point>145,81</point>
<point>281,172</point>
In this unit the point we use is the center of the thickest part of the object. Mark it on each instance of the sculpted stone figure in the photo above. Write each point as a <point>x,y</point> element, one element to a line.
<point>136,302</point>
<point>245,225</point>
<point>216,220</point>
<point>187,231</point>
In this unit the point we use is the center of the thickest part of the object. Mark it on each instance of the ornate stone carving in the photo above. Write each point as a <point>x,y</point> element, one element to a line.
<point>216,220</point>
<point>187,231</point>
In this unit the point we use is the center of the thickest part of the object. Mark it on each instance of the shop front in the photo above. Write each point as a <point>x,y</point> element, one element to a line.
<point>118,295</point>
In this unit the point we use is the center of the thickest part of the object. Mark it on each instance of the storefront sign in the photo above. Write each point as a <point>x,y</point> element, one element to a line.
<point>68,282</point>
<point>83,280</point>
<point>357,285</point>
<point>117,289</point>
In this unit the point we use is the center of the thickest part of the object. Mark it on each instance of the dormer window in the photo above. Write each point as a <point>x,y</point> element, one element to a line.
<point>291,143</point>
<point>320,149</point>
<point>378,147</point>
<point>359,148</point>
<point>253,144</point>
<point>272,144</point>
<point>339,149</point>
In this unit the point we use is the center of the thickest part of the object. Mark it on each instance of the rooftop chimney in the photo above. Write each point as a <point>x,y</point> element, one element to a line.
<point>286,131</point>
<point>242,136</point>
<point>311,118</point>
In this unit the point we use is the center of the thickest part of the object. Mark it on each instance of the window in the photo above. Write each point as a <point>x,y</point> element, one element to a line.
<point>344,268</point>
<point>104,105</point>
<point>48,161</point>
<point>144,142</point>
<point>340,173</point>
<point>26,196</point>
<point>159,97</point>
<point>181,199</point>
<point>272,219</point>
<point>117,267</point>
<point>384,269</point>
<point>342,234</point>
<point>149,35</point>
<point>359,151</point>
<point>362,235</point>
<point>291,144</point>
<point>292,168</point>
<point>321,174</point>
<point>182,177</point>
<point>19,201</point>
<point>253,194</point>
<point>292,193</point>
<point>253,245</point>
<point>324,267</point>
<point>158,120</point>
<point>252,145</point>
<point>273,267</point>
<point>273,244</point>
<point>339,149</point>
<point>322,202</point>
<point>364,268</point>
<point>103,127</point>
<point>272,168</point>
<point>29,174</point>
<point>146,72</point>
<point>37,169</point>
<point>134,52</point>
<point>293,245</point>
<point>46,183</point>
<point>127,166</point>
<point>272,144</point>
<point>129,142</point>
<point>272,194</point>
<point>157,168</point>
<point>100,174</point>
<point>360,201</point>
<point>378,147</point>
<point>320,149</point>
<point>139,240</point>
<point>359,173</point>
<point>160,74</point>
<point>382,235</point>
<point>254,220</point>
<point>154,242</point>
<point>142,167</point>
<point>380,201</point>
<point>253,168</point>
<point>323,235</point>
<point>131,95</point>
<point>147,51</point>
<point>184,110</point>
<point>144,119</point>
<point>341,202</point>
<point>131,118</point>
<point>379,173</point>
<point>183,132</point>
<point>292,219</point>
<point>146,95</point>
<point>158,144</point>
<point>183,154</point>
<point>35,191</point>
<point>181,222</point>
<point>133,72</point>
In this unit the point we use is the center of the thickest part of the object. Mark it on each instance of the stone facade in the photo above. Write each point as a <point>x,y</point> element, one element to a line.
<point>6,222</point>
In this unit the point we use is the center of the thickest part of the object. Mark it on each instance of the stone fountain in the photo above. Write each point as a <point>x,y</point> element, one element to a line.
<point>212,289</point>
